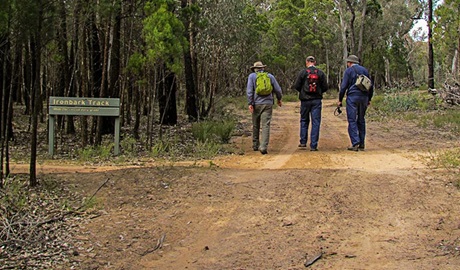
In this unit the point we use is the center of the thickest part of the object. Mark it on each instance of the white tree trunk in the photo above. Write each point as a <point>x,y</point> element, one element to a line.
<point>456,60</point>
<point>387,72</point>
<point>343,28</point>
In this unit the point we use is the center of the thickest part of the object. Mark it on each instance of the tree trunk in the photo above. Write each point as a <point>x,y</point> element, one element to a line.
<point>114,72</point>
<point>36,100</point>
<point>95,62</point>
<point>430,46</point>
<point>352,26</point>
<point>343,30</point>
<point>361,31</point>
<point>4,85</point>
<point>101,124</point>
<point>456,60</point>
<point>167,97</point>
<point>190,104</point>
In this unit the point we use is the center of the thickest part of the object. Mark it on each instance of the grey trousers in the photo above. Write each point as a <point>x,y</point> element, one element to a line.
<point>261,118</point>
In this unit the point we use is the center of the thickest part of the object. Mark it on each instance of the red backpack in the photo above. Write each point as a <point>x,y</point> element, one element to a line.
<point>312,79</point>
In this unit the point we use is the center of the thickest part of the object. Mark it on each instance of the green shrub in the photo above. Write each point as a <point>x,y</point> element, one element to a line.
<point>213,131</point>
<point>205,150</point>
<point>128,145</point>
<point>90,153</point>
<point>160,148</point>
<point>399,102</point>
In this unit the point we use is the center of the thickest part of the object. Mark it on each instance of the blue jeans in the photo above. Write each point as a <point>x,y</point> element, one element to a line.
<point>310,108</point>
<point>356,111</point>
<point>261,118</point>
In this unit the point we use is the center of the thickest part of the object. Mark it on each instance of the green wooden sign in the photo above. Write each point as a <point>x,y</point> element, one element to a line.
<point>83,106</point>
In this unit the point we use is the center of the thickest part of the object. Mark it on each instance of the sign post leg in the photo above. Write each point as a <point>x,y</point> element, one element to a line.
<point>117,136</point>
<point>51,135</point>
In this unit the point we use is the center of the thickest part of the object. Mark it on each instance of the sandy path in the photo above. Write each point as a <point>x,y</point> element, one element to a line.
<point>332,154</point>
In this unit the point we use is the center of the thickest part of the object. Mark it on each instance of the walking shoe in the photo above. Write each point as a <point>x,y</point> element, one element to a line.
<point>264,152</point>
<point>255,148</point>
<point>353,148</point>
<point>361,148</point>
<point>303,145</point>
<point>314,149</point>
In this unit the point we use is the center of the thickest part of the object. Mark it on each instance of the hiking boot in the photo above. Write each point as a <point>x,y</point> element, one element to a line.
<point>255,148</point>
<point>314,149</point>
<point>264,152</point>
<point>303,145</point>
<point>361,148</point>
<point>353,148</point>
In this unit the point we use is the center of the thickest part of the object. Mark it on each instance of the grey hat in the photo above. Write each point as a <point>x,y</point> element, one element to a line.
<point>311,59</point>
<point>352,58</point>
<point>258,64</point>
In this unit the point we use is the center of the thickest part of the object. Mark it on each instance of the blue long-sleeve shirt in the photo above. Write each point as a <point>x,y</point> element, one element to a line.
<point>254,99</point>
<point>348,83</point>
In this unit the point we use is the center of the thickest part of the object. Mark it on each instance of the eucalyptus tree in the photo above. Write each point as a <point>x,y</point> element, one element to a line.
<point>447,37</point>
<point>301,28</point>
<point>228,38</point>
<point>382,35</point>
<point>5,74</point>
<point>164,37</point>
<point>189,12</point>
<point>110,26</point>
<point>41,12</point>
<point>430,46</point>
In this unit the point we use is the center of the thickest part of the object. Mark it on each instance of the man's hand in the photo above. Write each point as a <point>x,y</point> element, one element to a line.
<point>251,108</point>
<point>280,103</point>
<point>339,104</point>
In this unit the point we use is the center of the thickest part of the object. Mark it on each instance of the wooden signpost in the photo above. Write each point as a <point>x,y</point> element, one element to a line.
<point>84,106</point>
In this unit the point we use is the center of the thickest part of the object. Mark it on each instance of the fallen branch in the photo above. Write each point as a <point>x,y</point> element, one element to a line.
<point>312,261</point>
<point>94,194</point>
<point>158,246</point>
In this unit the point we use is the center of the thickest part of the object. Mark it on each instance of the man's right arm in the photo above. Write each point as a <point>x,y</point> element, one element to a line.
<point>250,90</point>
<point>344,85</point>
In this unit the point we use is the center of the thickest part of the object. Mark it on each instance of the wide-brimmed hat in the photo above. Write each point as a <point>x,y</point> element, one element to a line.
<point>258,64</point>
<point>352,58</point>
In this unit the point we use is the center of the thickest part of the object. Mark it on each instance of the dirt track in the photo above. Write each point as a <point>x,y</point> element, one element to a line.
<point>378,209</point>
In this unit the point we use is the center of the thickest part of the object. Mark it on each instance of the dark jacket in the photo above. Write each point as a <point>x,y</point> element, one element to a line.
<point>348,86</point>
<point>301,84</point>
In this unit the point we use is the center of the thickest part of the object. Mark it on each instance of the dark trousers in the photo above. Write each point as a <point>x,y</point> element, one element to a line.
<point>310,109</point>
<point>356,111</point>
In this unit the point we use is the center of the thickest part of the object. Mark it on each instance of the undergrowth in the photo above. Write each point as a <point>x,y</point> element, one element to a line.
<point>450,161</point>
<point>34,228</point>
<point>422,108</point>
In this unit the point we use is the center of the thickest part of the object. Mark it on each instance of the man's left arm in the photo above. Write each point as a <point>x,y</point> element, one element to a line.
<point>324,85</point>
<point>276,88</point>
<point>371,90</point>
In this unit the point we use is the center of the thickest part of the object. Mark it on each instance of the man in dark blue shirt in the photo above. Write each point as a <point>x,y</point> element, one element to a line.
<point>357,102</point>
